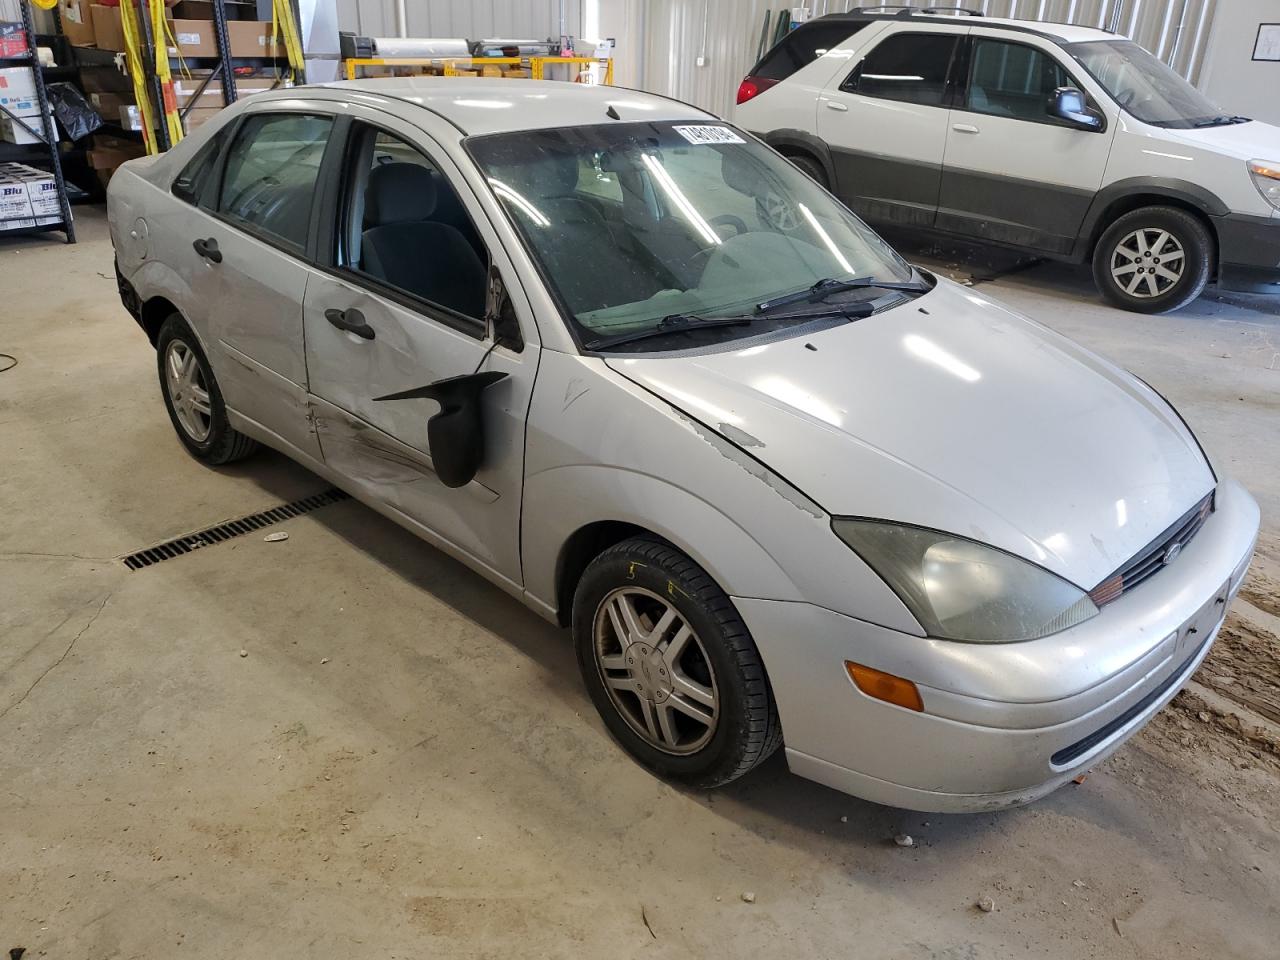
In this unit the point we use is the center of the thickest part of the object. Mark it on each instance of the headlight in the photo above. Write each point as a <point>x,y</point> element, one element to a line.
<point>963,590</point>
<point>1266,177</point>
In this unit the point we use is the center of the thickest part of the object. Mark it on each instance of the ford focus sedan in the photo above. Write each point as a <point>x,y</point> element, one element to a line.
<point>643,374</point>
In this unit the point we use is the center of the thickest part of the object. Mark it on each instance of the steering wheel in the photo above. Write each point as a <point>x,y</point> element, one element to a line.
<point>729,219</point>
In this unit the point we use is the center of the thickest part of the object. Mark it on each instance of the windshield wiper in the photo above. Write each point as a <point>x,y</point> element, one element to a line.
<point>687,322</point>
<point>825,288</point>
<point>1221,121</point>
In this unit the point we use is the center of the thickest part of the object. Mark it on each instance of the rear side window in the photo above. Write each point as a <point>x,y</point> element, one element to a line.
<point>193,182</point>
<point>803,46</point>
<point>271,173</point>
<point>911,67</point>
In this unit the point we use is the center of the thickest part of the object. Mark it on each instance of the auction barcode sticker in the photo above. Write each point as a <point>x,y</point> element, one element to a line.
<point>706,134</point>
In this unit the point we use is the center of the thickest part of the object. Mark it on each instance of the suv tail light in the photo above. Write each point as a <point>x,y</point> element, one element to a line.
<point>753,87</point>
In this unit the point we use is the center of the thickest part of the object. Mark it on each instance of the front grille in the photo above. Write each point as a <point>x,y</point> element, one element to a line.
<point>1151,558</point>
<point>1067,755</point>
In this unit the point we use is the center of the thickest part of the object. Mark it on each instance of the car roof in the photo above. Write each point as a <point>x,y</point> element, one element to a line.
<point>1058,32</point>
<point>483,105</point>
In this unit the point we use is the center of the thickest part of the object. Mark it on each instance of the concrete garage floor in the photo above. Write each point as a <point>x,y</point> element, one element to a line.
<point>405,764</point>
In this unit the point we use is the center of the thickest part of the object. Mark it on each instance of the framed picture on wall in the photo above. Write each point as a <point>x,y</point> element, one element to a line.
<point>1267,46</point>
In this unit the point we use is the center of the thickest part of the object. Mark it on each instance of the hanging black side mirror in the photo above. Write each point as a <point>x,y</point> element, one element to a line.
<point>1069,104</point>
<point>456,433</point>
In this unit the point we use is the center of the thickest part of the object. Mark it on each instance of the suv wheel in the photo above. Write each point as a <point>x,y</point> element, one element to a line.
<point>811,168</point>
<point>670,665</point>
<point>193,399</point>
<point>1153,260</point>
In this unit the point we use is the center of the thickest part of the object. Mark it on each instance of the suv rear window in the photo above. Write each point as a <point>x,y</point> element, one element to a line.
<point>911,67</point>
<point>801,47</point>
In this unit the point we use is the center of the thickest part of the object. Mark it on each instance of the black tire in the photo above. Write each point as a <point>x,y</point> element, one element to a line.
<point>746,730</point>
<point>1186,232</point>
<point>811,168</point>
<point>222,444</point>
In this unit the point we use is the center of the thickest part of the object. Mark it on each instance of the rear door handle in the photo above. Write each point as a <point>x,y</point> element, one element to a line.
<point>208,249</point>
<point>837,105</point>
<point>350,320</point>
<point>965,128</point>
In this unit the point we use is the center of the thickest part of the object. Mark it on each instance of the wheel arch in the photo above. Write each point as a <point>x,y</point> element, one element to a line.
<point>799,143</point>
<point>1126,196</point>
<point>582,546</point>
<point>153,314</point>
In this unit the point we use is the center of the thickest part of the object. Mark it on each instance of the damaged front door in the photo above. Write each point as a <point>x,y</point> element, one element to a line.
<point>402,305</point>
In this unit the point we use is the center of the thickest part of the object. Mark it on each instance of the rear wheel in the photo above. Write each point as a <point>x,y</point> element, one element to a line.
<point>193,399</point>
<point>1154,260</point>
<point>670,665</point>
<point>811,168</point>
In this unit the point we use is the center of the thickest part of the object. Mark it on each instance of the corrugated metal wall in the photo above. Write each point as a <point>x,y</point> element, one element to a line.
<point>472,19</point>
<point>674,36</point>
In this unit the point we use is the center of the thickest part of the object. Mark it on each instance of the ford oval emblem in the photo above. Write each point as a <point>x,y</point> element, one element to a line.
<point>1171,554</point>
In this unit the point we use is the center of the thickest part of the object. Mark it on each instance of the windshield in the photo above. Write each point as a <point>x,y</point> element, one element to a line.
<point>633,224</point>
<point>1145,86</point>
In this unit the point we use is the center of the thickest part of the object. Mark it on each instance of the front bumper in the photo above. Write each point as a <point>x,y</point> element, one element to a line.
<point>1003,723</point>
<point>1249,253</point>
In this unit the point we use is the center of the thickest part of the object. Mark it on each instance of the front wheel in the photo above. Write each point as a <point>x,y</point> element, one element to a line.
<point>670,665</point>
<point>1154,260</point>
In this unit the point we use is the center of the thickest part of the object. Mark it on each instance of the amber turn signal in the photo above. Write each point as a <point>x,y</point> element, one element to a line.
<point>885,686</point>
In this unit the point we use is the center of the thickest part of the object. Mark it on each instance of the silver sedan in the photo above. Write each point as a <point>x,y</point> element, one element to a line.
<point>639,371</point>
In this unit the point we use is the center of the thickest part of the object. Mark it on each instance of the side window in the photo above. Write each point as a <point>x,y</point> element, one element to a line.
<point>271,174</point>
<point>911,67</point>
<point>405,227</point>
<point>1013,80</point>
<point>803,46</point>
<point>192,184</point>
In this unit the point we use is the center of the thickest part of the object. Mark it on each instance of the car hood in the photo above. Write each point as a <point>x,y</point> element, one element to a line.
<point>954,413</point>
<point>1247,141</point>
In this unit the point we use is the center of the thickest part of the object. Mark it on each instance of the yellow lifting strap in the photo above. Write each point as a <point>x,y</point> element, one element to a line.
<point>283,23</point>
<point>133,59</point>
<point>160,37</point>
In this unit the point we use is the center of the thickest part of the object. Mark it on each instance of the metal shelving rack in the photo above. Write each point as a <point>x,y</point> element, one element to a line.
<point>48,136</point>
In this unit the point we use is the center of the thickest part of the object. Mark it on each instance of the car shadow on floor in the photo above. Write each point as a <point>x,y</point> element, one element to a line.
<point>976,264</point>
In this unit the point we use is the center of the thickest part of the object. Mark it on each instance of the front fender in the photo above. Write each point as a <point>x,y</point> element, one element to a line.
<point>601,447</point>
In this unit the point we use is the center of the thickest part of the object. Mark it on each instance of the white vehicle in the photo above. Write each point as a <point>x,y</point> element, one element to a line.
<point>639,371</point>
<point>1069,142</point>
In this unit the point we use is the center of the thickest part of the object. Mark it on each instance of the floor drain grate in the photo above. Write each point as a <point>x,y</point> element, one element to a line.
<point>232,529</point>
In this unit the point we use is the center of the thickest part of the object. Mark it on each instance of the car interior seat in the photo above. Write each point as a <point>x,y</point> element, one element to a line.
<point>404,246</point>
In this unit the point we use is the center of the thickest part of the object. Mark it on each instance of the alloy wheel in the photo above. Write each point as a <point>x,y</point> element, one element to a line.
<point>188,392</point>
<point>656,670</point>
<point>1148,263</point>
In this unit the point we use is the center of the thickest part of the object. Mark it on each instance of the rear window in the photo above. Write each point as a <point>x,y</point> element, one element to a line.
<point>801,47</point>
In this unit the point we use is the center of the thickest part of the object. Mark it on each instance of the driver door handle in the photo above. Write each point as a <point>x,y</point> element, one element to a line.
<point>837,105</point>
<point>350,320</point>
<point>965,128</point>
<point>208,249</point>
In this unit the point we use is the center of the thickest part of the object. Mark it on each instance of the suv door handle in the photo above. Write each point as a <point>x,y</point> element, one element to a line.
<point>350,320</point>
<point>965,128</point>
<point>208,249</point>
<point>837,105</point>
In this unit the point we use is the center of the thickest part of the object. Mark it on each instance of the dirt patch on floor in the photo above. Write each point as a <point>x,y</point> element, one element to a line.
<point>1263,592</point>
<point>1244,667</point>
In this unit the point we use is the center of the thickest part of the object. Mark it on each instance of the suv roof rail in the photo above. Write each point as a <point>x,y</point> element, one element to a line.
<point>908,10</point>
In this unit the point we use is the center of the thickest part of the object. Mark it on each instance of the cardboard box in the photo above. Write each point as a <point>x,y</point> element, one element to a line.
<point>195,38</point>
<point>184,90</point>
<point>77,22</point>
<point>201,115</point>
<point>13,40</point>
<point>11,131</point>
<point>109,104</point>
<point>131,116</point>
<point>42,189</point>
<point>203,10</point>
<point>517,73</point>
<point>104,80</point>
<point>108,34</point>
<point>108,152</point>
<point>17,86</point>
<point>15,205</point>
<point>252,38</point>
<point>491,70</point>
